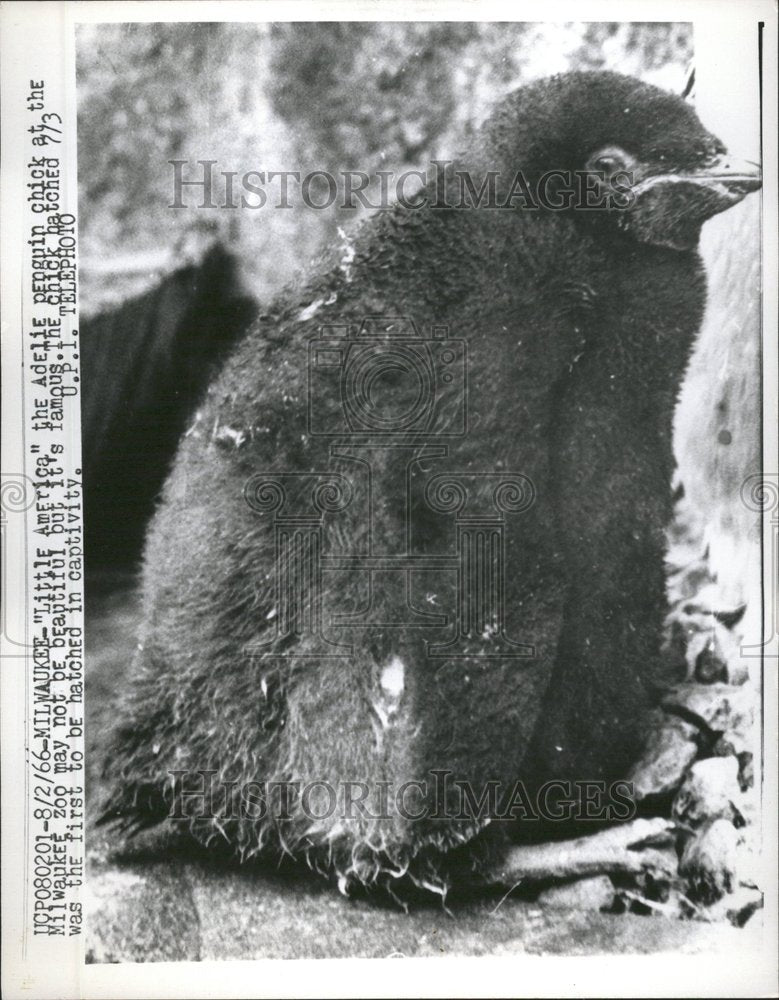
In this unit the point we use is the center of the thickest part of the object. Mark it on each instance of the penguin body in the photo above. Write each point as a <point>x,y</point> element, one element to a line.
<point>485,587</point>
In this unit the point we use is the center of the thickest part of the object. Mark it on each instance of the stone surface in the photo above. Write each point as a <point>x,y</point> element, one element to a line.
<point>738,907</point>
<point>141,915</point>
<point>170,912</point>
<point>709,861</point>
<point>721,661</point>
<point>710,790</point>
<point>669,751</point>
<point>719,707</point>
<point>582,894</point>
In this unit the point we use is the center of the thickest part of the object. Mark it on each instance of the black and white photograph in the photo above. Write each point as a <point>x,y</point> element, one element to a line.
<point>391,500</point>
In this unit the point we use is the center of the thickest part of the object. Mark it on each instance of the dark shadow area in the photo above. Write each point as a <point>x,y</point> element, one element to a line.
<point>144,366</point>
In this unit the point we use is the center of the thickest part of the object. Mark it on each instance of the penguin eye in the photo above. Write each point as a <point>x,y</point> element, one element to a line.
<point>608,161</point>
<point>608,164</point>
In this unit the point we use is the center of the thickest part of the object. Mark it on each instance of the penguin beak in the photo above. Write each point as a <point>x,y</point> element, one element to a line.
<point>669,209</point>
<point>722,182</point>
<point>727,177</point>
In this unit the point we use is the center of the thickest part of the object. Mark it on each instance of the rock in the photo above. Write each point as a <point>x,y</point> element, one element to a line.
<point>711,665</point>
<point>666,901</point>
<point>710,790</point>
<point>710,860</point>
<point>734,745</point>
<point>748,860</point>
<point>669,751</point>
<point>583,894</point>
<point>700,641</point>
<point>731,744</point>
<point>746,770</point>
<point>721,708</point>
<point>737,907</point>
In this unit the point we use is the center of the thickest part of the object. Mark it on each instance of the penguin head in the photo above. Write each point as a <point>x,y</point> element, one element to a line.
<point>640,142</point>
<point>667,207</point>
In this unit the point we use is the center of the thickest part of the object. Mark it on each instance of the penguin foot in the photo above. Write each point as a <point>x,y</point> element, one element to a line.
<point>640,846</point>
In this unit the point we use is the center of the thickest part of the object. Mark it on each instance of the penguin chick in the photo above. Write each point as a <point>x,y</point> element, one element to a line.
<point>571,330</point>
